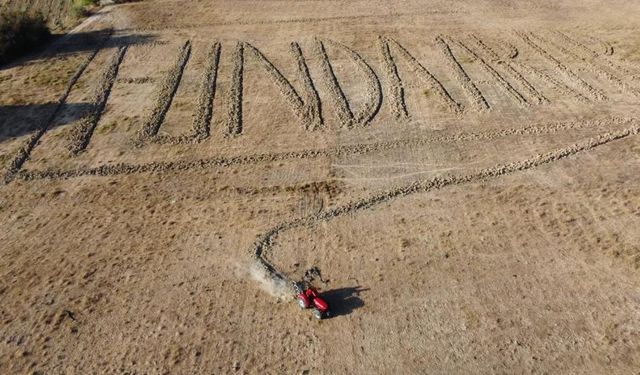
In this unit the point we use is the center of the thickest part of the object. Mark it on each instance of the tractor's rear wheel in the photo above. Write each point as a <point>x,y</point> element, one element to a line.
<point>317,313</point>
<point>302,303</point>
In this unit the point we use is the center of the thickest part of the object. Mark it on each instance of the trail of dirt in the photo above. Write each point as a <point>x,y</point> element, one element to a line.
<point>234,110</point>
<point>24,151</point>
<point>591,63</point>
<point>593,93</point>
<point>373,88</point>
<point>356,149</point>
<point>503,83</point>
<point>478,101</point>
<point>308,109</point>
<point>395,89</point>
<point>167,91</point>
<point>426,76</point>
<point>266,241</point>
<point>511,70</point>
<point>202,121</point>
<point>81,134</point>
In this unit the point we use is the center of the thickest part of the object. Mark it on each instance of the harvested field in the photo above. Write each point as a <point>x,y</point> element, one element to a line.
<point>464,176</point>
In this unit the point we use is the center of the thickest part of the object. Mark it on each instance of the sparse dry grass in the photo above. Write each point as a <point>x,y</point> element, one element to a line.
<point>21,33</point>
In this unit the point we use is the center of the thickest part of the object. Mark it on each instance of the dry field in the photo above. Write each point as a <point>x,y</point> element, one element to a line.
<point>466,176</point>
<point>58,13</point>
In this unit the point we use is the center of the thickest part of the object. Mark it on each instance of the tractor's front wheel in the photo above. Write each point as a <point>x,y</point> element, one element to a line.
<point>317,313</point>
<point>302,303</point>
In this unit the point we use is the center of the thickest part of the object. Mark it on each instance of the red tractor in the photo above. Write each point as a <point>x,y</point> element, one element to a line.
<point>308,297</point>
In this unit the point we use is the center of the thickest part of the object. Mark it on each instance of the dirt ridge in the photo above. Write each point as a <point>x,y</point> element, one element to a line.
<point>340,151</point>
<point>81,134</point>
<point>427,77</point>
<point>266,241</point>
<point>478,101</point>
<point>23,153</point>
<point>234,109</point>
<point>511,91</point>
<point>589,90</point>
<point>167,92</point>
<point>509,67</point>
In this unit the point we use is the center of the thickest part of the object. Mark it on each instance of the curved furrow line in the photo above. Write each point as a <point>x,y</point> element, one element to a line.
<point>345,115</point>
<point>607,48</point>
<point>266,241</point>
<point>503,83</point>
<point>373,87</point>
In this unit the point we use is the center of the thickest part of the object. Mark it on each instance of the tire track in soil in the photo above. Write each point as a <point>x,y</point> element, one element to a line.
<point>337,152</point>
<point>202,121</point>
<point>81,134</point>
<point>337,95</point>
<point>23,153</point>
<point>312,97</point>
<point>503,83</point>
<point>307,20</point>
<point>581,46</point>
<point>606,46</point>
<point>308,109</point>
<point>395,87</point>
<point>607,49</point>
<point>204,113</point>
<point>590,92</point>
<point>373,86</point>
<point>508,66</point>
<point>621,66</point>
<point>234,109</point>
<point>313,189</point>
<point>561,45</point>
<point>426,76</point>
<point>478,101</point>
<point>168,88</point>
<point>603,57</point>
<point>266,241</point>
<point>558,86</point>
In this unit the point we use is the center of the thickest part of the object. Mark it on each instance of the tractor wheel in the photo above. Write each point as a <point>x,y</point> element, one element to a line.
<point>302,303</point>
<point>317,313</point>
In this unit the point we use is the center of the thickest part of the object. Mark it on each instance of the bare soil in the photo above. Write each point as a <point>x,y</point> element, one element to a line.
<point>466,176</point>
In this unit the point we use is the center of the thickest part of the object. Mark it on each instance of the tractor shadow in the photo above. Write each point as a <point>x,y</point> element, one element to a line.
<point>344,301</point>
<point>62,45</point>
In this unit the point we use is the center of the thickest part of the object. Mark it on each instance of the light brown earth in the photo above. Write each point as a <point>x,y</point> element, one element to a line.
<point>494,229</point>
